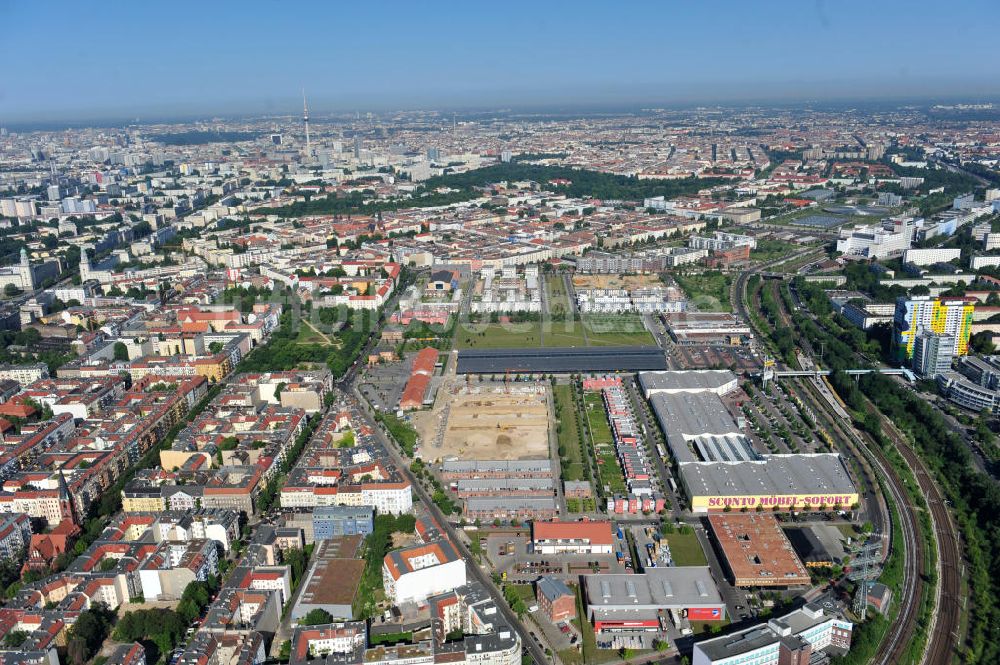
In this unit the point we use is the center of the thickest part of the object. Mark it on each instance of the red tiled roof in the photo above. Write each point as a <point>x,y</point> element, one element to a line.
<point>597,533</point>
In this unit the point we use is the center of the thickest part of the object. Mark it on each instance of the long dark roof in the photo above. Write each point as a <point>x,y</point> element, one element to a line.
<point>562,360</point>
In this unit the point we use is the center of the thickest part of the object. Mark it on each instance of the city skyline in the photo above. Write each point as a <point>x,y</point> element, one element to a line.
<point>556,333</point>
<point>349,58</point>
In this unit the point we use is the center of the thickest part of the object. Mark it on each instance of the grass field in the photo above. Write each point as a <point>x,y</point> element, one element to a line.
<point>611,473</point>
<point>402,431</point>
<point>581,505</point>
<point>558,301</point>
<point>498,336</point>
<point>699,627</point>
<point>475,545</point>
<point>525,591</point>
<point>617,330</point>
<point>600,432</point>
<point>603,330</point>
<point>685,549</point>
<point>569,434</point>
<point>309,335</point>
<point>708,291</point>
<point>600,429</point>
<point>562,333</point>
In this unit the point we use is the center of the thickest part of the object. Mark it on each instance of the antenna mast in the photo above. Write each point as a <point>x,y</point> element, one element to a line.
<point>305,119</point>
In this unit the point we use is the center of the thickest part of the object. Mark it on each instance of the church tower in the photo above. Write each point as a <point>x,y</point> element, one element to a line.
<point>84,265</point>
<point>24,272</point>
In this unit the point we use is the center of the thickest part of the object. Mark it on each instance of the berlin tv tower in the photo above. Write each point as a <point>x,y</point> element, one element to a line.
<point>305,119</point>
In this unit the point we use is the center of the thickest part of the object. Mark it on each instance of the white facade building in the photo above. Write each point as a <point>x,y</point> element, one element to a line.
<point>924,257</point>
<point>412,575</point>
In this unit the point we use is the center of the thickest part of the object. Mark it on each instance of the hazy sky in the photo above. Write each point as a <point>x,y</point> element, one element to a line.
<point>113,59</point>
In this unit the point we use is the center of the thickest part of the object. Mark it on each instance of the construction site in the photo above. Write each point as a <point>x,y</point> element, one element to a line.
<point>501,422</point>
<point>626,282</point>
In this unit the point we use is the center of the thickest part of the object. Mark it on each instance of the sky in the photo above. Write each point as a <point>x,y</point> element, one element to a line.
<point>78,61</point>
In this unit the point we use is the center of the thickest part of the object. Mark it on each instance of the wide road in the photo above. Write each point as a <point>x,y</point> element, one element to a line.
<point>527,642</point>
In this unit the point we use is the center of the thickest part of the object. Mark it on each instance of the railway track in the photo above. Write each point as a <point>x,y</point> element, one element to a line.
<point>945,624</point>
<point>945,621</point>
<point>807,392</point>
<point>897,638</point>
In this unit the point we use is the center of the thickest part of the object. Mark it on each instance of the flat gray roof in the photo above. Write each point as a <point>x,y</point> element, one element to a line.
<point>561,360</point>
<point>507,501</point>
<point>513,466</point>
<point>686,416</point>
<point>725,448</point>
<point>695,380</point>
<point>655,589</point>
<point>480,484</point>
<point>717,459</point>
<point>806,473</point>
<point>745,641</point>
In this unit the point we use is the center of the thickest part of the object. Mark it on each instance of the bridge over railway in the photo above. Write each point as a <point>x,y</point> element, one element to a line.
<point>816,373</point>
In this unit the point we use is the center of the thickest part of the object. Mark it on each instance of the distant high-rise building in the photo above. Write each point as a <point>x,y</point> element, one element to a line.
<point>357,146</point>
<point>943,315</point>
<point>963,202</point>
<point>506,156</point>
<point>433,154</point>
<point>890,199</point>
<point>276,139</point>
<point>54,192</point>
<point>932,353</point>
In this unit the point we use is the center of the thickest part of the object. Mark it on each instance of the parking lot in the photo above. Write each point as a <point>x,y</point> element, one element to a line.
<point>776,424</point>
<point>738,358</point>
<point>511,555</point>
<point>382,385</point>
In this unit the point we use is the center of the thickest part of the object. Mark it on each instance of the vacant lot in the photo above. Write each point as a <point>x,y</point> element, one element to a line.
<point>309,334</point>
<point>771,250</point>
<point>707,291</point>
<point>615,281</point>
<point>559,306</point>
<point>494,426</point>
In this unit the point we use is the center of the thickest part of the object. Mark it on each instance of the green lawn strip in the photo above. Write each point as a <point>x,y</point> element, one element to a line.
<point>568,434</point>
<point>561,333</point>
<point>498,336</point>
<point>685,549</point>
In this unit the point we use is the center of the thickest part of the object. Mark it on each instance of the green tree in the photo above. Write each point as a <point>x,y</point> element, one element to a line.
<point>89,631</point>
<point>121,351</point>
<point>316,617</point>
